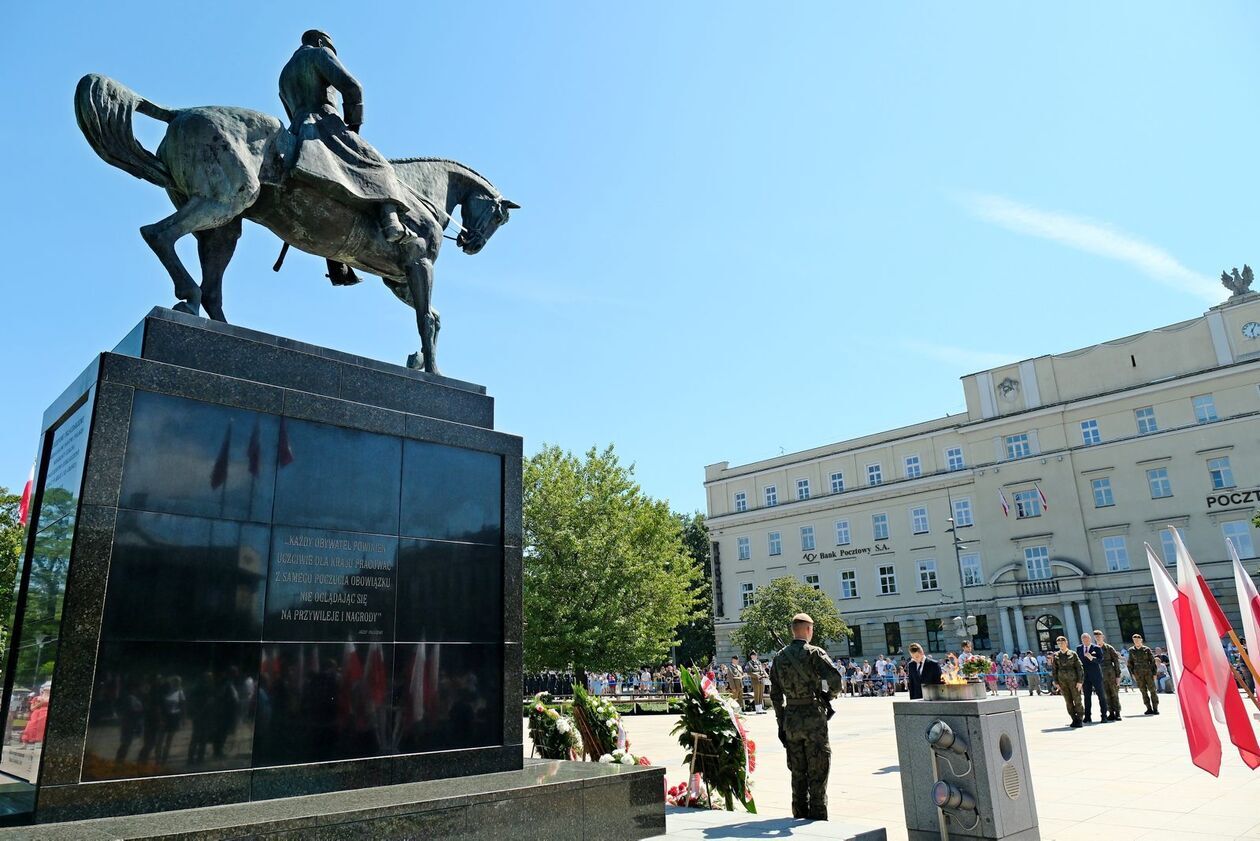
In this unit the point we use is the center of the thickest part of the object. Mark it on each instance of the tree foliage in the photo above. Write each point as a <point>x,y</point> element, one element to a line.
<point>607,578</point>
<point>695,637</point>
<point>11,537</point>
<point>771,613</point>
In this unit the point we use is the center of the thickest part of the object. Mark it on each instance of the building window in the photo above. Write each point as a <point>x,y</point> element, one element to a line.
<point>972,574</point>
<point>807,538</point>
<point>1027,504</point>
<point>962,513</point>
<point>914,469</point>
<point>772,496</point>
<point>1129,616</point>
<point>936,636</point>
<point>1102,493</point>
<point>855,641</point>
<point>802,489</point>
<point>842,533</point>
<point>1169,546</point>
<point>1160,484</point>
<point>892,637</point>
<point>746,593</point>
<point>775,539</point>
<point>1089,432</point>
<point>743,548</point>
<point>919,520</point>
<point>1037,562</point>
<point>879,525</point>
<point>1146,420</point>
<point>927,576</point>
<point>1239,531</point>
<point>837,483</point>
<point>1018,446</point>
<point>741,501</point>
<point>1220,471</point>
<point>874,474</point>
<point>1204,408</point>
<point>812,581</point>
<point>981,640</point>
<point>887,580</point>
<point>1116,552</point>
<point>848,584</point>
<point>954,459</point>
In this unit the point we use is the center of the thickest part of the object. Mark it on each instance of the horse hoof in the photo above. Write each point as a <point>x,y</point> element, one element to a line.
<point>185,307</point>
<point>415,361</point>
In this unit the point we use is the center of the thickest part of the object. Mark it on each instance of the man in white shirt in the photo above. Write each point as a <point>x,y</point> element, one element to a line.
<point>1029,667</point>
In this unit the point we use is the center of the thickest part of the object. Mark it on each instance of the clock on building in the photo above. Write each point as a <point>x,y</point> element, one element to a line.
<point>1251,329</point>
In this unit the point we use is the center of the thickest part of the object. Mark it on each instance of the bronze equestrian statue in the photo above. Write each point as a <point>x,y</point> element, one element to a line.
<point>317,185</point>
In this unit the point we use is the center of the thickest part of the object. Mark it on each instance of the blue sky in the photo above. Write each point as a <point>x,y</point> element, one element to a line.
<point>743,227</point>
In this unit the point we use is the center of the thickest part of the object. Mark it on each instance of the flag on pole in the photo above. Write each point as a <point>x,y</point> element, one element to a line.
<point>24,506</point>
<point>1192,694</point>
<point>1211,624</point>
<point>284,451</point>
<point>1006,508</point>
<point>1045,503</point>
<point>1248,601</point>
<point>254,450</point>
<point>219,473</point>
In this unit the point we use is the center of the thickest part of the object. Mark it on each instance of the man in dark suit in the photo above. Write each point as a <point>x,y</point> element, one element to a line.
<point>1092,660</point>
<point>922,670</point>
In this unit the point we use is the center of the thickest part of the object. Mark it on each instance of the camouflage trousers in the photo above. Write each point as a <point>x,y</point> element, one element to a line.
<point>808,759</point>
<point>1111,692</point>
<point>1072,698</point>
<point>1150,693</point>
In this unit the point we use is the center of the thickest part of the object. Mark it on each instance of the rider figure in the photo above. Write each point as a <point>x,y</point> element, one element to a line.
<point>329,152</point>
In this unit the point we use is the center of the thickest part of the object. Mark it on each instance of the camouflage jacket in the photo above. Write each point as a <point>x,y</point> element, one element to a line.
<point>1066,668</point>
<point>797,673</point>
<point>1142,661</point>
<point>1110,662</point>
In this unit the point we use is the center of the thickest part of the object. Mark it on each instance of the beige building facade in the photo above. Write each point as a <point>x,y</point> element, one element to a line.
<point>1093,453</point>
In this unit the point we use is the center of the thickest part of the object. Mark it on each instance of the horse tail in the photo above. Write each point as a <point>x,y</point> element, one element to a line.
<point>103,108</point>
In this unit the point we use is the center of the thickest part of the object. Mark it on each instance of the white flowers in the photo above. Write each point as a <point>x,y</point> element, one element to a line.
<point>562,726</point>
<point>620,757</point>
<point>627,760</point>
<point>606,759</point>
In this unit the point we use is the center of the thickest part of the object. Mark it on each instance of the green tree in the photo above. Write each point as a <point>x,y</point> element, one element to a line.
<point>772,610</point>
<point>607,577</point>
<point>11,537</point>
<point>695,637</point>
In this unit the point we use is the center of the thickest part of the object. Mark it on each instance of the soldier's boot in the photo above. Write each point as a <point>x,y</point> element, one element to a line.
<point>1076,722</point>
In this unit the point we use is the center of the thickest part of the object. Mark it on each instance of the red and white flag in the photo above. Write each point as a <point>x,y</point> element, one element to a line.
<point>1214,625</point>
<point>24,506</point>
<point>1006,508</point>
<point>1248,601</point>
<point>1192,693</point>
<point>1045,503</point>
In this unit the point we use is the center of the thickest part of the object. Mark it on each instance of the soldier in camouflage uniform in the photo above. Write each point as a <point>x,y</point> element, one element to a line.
<point>1111,675</point>
<point>799,704</point>
<point>1142,666</point>
<point>1067,671</point>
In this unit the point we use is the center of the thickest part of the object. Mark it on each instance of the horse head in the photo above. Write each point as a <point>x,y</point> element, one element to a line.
<point>483,214</point>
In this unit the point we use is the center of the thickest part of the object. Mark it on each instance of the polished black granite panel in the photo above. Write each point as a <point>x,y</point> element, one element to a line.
<point>450,493</point>
<point>210,575</point>
<point>336,478</point>
<point>171,708</point>
<point>449,592</point>
<point>329,586</point>
<point>448,695</point>
<point>319,702</point>
<point>189,457</point>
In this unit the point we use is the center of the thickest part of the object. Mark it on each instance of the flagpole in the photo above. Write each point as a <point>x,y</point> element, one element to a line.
<point>1242,652</point>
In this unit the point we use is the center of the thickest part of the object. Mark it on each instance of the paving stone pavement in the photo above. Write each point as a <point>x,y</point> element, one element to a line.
<point>1127,781</point>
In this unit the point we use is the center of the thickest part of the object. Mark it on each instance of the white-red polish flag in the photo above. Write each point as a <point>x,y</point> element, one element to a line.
<point>24,506</point>
<point>1248,601</point>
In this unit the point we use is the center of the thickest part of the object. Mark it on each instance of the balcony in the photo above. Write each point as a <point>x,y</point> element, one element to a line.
<point>1039,588</point>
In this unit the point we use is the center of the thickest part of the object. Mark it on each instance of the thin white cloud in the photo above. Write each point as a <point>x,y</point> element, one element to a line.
<point>1094,238</point>
<point>965,359</point>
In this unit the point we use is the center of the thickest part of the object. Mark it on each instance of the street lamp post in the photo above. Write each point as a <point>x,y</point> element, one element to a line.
<point>967,627</point>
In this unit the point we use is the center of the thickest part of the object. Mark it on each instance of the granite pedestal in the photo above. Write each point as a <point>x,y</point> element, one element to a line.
<point>262,569</point>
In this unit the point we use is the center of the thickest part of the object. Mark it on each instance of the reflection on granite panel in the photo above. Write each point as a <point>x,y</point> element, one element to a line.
<point>448,695</point>
<point>449,592</point>
<point>451,493</point>
<point>330,477</point>
<point>151,794</point>
<point>319,702</point>
<point>207,576</point>
<point>440,765</point>
<point>168,708</point>
<point>188,457</point>
<point>439,823</point>
<point>329,586</point>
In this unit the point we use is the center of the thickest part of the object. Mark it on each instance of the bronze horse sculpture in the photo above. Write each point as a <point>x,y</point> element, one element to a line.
<point>220,165</point>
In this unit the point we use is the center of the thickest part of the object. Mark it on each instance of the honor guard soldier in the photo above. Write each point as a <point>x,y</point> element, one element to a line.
<point>800,703</point>
<point>1142,666</point>
<point>1066,670</point>
<point>1110,675</point>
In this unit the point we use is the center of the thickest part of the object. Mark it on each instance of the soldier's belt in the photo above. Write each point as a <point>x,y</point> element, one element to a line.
<point>801,702</point>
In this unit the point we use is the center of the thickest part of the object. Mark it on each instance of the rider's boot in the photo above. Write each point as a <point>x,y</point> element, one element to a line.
<point>391,225</point>
<point>341,275</point>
